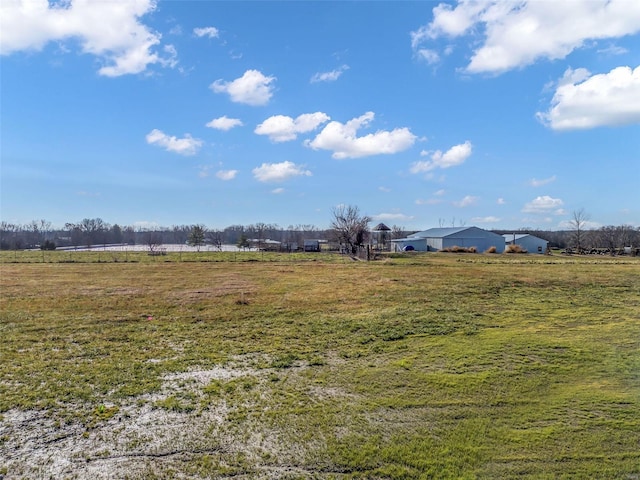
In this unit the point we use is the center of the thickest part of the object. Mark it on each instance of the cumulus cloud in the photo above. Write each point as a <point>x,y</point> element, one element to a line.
<point>489,219</point>
<point>342,139</point>
<point>428,201</point>
<point>428,55</point>
<point>467,201</point>
<point>585,101</point>
<point>226,174</point>
<point>392,217</point>
<point>224,123</point>
<point>517,34</point>
<point>211,32</point>
<point>279,172</point>
<point>110,31</point>
<point>183,146</point>
<point>253,88</point>
<point>545,205</point>
<point>281,128</point>
<point>534,182</point>
<point>331,76</point>
<point>455,156</point>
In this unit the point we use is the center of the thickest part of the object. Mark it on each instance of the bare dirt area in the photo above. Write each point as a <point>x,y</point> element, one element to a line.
<point>178,432</point>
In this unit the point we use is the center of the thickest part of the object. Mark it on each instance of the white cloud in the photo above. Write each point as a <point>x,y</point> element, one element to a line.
<point>517,34</point>
<point>278,172</point>
<point>613,50</point>
<point>534,182</point>
<point>281,128</point>
<point>277,191</point>
<point>501,201</point>
<point>204,171</point>
<point>440,192</point>
<point>226,174</point>
<point>384,189</point>
<point>253,88</point>
<point>489,219</point>
<point>224,123</point>
<point>545,205</point>
<point>456,155</point>
<point>343,139</point>
<point>428,55</point>
<point>583,101</point>
<point>184,146</point>
<point>392,217</point>
<point>467,201</point>
<point>110,31</point>
<point>331,76</point>
<point>429,201</point>
<point>211,32</point>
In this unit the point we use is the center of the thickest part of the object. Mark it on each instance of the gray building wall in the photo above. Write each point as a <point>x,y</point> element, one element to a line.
<point>530,243</point>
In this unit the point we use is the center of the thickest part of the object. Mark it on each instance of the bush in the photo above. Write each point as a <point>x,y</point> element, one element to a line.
<point>48,245</point>
<point>514,249</point>
<point>491,250</point>
<point>457,249</point>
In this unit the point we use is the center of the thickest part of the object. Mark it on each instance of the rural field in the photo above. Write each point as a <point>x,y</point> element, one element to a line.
<point>266,366</point>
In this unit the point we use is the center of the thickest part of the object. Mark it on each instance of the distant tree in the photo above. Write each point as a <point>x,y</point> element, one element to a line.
<point>116,234</point>
<point>215,238</point>
<point>398,232</point>
<point>578,224</point>
<point>349,227</point>
<point>48,245</point>
<point>243,242</point>
<point>153,240</point>
<point>197,236</point>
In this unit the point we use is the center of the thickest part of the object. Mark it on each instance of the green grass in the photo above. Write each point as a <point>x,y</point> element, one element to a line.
<point>416,366</point>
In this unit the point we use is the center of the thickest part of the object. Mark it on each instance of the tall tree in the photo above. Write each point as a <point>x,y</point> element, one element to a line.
<point>197,235</point>
<point>578,224</point>
<point>349,227</point>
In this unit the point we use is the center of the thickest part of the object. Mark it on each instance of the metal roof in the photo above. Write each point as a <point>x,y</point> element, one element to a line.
<point>439,232</point>
<point>518,236</point>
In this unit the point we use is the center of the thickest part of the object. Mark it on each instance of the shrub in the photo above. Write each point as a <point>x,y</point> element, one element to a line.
<point>48,245</point>
<point>514,249</point>
<point>491,250</point>
<point>457,249</point>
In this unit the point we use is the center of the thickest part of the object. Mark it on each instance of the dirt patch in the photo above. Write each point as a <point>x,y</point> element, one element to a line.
<point>143,439</point>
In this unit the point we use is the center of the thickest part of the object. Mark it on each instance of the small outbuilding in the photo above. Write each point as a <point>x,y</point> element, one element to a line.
<point>381,234</point>
<point>526,241</point>
<point>436,239</point>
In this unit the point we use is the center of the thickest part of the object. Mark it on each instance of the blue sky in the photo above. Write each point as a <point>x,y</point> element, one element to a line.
<point>490,113</point>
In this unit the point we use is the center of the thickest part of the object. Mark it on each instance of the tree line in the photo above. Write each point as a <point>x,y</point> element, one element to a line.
<point>349,228</point>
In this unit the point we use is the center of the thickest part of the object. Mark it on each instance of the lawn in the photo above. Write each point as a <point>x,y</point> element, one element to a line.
<point>253,365</point>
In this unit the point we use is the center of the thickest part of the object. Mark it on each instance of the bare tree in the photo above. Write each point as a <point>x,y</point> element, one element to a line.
<point>215,238</point>
<point>578,224</point>
<point>349,227</point>
<point>398,232</point>
<point>153,240</point>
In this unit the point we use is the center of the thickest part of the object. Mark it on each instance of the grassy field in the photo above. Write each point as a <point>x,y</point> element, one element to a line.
<point>312,366</point>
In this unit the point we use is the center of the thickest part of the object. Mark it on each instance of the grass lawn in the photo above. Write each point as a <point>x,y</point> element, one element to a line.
<point>222,365</point>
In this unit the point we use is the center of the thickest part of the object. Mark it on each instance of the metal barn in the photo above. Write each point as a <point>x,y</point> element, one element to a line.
<point>530,243</point>
<point>436,239</point>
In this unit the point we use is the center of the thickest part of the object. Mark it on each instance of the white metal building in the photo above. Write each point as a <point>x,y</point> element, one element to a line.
<point>530,243</point>
<point>436,239</point>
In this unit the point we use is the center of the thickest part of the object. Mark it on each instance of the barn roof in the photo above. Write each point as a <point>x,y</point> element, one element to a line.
<point>518,236</point>
<point>439,232</point>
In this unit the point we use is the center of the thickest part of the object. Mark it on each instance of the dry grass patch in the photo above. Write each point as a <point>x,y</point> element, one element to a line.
<point>421,366</point>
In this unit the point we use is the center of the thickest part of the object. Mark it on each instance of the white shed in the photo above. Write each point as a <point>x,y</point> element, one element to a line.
<point>530,243</point>
<point>436,239</point>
